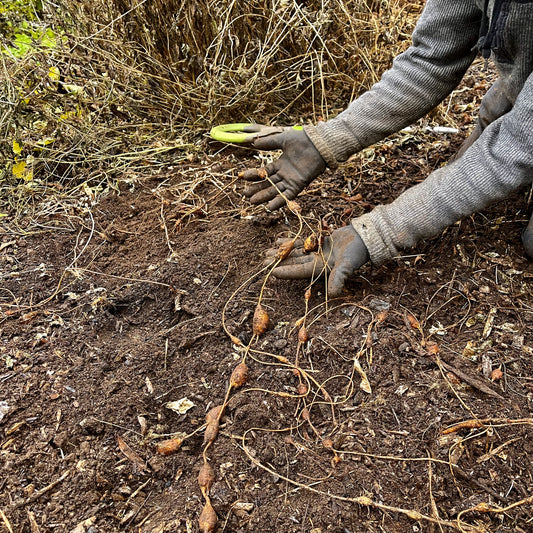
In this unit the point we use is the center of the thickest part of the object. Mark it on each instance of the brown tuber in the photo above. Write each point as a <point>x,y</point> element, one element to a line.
<point>260,321</point>
<point>311,244</point>
<point>169,446</point>
<point>211,432</point>
<point>239,376</point>
<point>302,389</point>
<point>206,478</point>
<point>303,335</point>
<point>208,518</point>
<point>285,249</point>
<point>262,173</point>
<point>214,414</point>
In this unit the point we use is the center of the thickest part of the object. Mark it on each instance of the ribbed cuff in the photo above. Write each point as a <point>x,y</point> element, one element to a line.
<point>322,146</point>
<point>378,250</point>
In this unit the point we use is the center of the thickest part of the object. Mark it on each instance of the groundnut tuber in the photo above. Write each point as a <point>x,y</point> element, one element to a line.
<point>303,335</point>
<point>294,206</point>
<point>260,321</point>
<point>285,249</point>
<point>206,478</point>
<point>169,446</point>
<point>239,376</point>
<point>211,432</point>
<point>302,389</point>
<point>208,518</point>
<point>310,244</point>
<point>214,414</point>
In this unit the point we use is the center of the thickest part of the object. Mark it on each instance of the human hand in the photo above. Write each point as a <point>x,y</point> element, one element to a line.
<point>298,166</point>
<point>341,254</point>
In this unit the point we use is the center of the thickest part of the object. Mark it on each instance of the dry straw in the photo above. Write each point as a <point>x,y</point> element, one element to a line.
<point>132,85</point>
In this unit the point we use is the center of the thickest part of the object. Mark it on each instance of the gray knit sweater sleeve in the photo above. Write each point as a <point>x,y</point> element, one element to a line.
<point>420,78</point>
<point>500,161</point>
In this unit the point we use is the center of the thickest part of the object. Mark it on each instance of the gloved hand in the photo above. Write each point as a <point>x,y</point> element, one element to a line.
<point>299,165</point>
<point>342,253</point>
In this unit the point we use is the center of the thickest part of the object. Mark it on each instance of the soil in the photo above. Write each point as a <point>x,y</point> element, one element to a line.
<point>113,311</point>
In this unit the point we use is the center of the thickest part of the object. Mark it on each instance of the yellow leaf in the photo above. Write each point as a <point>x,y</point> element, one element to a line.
<point>20,171</point>
<point>73,89</point>
<point>16,148</point>
<point>53,73</point>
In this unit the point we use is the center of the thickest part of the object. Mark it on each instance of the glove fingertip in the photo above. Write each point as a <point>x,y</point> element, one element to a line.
<point>275,204</point>
<point>267,143</point>
<point>336,282</point>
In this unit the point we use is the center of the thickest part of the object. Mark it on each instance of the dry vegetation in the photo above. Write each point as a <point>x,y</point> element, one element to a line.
<point>98,91</point>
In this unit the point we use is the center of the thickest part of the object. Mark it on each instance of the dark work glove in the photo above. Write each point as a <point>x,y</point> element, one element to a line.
<point>299,165</point>
<point>341,255</point>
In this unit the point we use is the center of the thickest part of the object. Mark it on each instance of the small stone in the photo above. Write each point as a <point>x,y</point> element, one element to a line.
<point>280,344</point>
<point>379,305</point>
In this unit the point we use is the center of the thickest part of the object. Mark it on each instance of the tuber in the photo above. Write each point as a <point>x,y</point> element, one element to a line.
<point>310,244</point>
<point>239,376</point>
<point>285,249</point>
<point>302,389</point>
<point>211,432</point>
<point>208,518</point>
<point>206,478</point>
<point>303,335</point>
<point>260,321</point>
<point>294,206</point>
<point>169,446</point>
<point>413,322</point>
<point>214,414</point>
<point>262,173</point>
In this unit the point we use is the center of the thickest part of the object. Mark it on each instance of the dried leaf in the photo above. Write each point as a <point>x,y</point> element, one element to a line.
<point>365,384</point>
<point>133,456</point>
<point>490,321</point>
<point>180,406</point>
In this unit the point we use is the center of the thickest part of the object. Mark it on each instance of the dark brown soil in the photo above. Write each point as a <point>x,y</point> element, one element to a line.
<point>119,311</point>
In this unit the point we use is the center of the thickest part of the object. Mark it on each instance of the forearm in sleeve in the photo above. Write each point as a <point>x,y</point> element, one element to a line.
<point>498,163</point>
<point>420,78</point>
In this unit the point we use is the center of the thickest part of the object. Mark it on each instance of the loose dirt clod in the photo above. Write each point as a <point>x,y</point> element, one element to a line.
<point>239,376</point>
<point>206,478</point>
<point>261,321</point>
<point>208,519</point>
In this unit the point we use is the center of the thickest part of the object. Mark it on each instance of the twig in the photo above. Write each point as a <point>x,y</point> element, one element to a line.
<point>479,423</point>
<point>36,495</point>
<point>6,521</point>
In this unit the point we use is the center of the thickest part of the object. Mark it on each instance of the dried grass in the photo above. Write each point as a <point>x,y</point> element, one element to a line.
<point>141,81</point>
